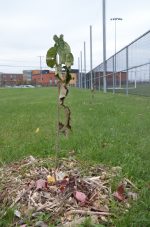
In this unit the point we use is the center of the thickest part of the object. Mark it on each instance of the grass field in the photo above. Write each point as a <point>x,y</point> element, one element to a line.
<point>142,89</point>
<point>109,129</point>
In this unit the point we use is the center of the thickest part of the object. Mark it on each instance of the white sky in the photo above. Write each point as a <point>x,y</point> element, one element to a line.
<point>27,28</point>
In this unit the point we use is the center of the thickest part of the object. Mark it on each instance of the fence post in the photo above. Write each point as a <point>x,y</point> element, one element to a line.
<point>127,66</point>
<point>149,71</point>
<point>84,64</point>
<point>113,74</point>
<point>135,79</point>
<point>81,75</point>
<point>99,80</point>
<point>79,72</point>
<point>91,58</point>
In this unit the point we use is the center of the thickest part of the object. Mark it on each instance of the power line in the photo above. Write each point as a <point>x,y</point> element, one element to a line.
<point>32,66</point>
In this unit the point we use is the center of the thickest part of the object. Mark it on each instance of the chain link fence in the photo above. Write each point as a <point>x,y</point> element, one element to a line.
<point>128,71</point>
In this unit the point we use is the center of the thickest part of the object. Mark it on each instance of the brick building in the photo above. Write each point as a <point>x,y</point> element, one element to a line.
<point>11,79</point>
<point>27,76</point>
<point>74,75</point>
<point>120,78</point>
<point>47,78</point>
<point>44,78</point>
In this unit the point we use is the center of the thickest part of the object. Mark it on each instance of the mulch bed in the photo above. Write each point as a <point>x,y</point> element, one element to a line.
<point>40,194</point>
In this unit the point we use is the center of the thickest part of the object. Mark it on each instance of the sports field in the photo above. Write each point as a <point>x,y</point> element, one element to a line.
<point>109,129</point>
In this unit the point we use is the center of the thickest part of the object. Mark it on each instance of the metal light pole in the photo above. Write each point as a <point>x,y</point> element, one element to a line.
<point>79,72</point>
<point>81,83</point>
<point>84,65</point>
<point>104,46</point>
<point>115,19</point>
<point>91,66</point>
<point>127,66</point>
<point>149,70</point>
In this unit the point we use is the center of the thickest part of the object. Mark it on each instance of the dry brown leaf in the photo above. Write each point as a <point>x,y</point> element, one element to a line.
<point>40,184</point>
<point>80,196</point>
<point>120,193</point>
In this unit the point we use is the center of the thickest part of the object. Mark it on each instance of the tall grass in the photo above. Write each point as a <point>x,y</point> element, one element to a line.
<point>111,129</point>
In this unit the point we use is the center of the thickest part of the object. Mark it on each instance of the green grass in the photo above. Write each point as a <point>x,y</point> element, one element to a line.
<point>110,129</point>
<point>142,89</point>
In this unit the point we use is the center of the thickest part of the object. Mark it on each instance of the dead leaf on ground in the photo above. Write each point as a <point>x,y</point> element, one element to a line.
<point>81,197</point>
<point>120,193</point>
<point>40,184</point>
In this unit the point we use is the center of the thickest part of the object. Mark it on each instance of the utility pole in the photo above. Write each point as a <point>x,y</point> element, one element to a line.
<point>41,68</point>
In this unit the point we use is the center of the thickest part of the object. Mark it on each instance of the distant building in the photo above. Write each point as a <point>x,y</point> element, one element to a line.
<point>27,75</point>
<point>120,78</point>
<point>44,78</point>
<point>11,79</point>
<point>47,78</point>
<point>74,75</point>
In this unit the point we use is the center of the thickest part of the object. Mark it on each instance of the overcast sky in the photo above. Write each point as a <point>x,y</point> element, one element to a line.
<point>27,28</point>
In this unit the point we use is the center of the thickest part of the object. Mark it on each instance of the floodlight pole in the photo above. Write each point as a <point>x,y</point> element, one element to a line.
<point>84,65</point>
<point>115,19</point>
<point>81,69</point>
<point>104,45</point>
<point>91,60</point>
<point>79,72</point>
<point>149,70</point>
